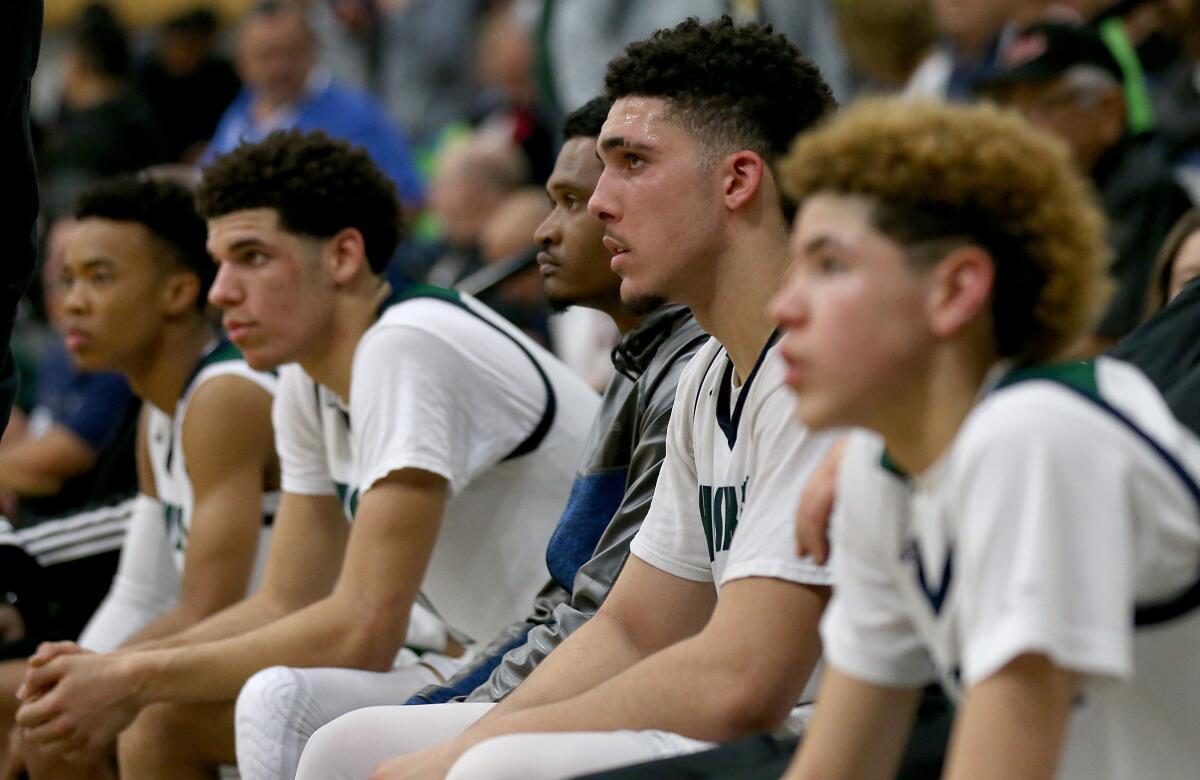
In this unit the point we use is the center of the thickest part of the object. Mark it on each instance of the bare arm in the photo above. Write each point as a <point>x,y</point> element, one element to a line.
<point>858,731</point>
<point>88,699</point>
<point>228,446</point>
<point>307,545</point>
<point>38,467</point>
<point>646,611</point>
<point>1013,723</point>
<point>755,656</point>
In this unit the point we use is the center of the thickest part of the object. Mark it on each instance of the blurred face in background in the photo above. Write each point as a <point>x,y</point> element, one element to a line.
<point>275,56</point>
<point>1186,265</point>
<point>1087,113</point>
<point>973,24</point>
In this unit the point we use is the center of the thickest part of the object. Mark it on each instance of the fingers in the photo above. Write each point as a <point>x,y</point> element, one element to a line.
<point>816,506</point>
<point>40,679</point>
<point>48,651</point>
<point>37,713</point>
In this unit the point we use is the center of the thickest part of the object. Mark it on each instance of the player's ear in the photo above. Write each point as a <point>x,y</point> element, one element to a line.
<point>743,177</point>
<point>346,254</point>
<point>960,286</point>
<point>180,293</point>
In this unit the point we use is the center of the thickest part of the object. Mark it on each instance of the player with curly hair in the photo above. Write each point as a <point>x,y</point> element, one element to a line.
<point>1020,529</point>
<point>426,447</point>
<point>710,632</point>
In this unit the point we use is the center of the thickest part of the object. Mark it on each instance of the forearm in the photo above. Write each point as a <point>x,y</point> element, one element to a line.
<point>660,693</point>
<point>326,633</point>
<point>245,616</point>
<point>165,625</point>
<point>596,652</point>
<point>25,482</point>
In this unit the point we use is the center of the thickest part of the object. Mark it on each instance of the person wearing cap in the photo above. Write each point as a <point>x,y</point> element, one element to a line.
<point>1064,80</point>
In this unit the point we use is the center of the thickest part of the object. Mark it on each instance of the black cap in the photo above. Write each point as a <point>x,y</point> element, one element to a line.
<point>1042,51</point>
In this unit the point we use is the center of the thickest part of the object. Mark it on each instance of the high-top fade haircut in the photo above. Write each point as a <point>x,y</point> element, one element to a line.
<point>317,185</point>
<point>166,208</point>
<point>586,121</point>
<point>731,86</point>
<point>937,177</point>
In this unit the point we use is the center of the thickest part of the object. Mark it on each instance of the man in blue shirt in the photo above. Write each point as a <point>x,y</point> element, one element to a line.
<point>276,59</point>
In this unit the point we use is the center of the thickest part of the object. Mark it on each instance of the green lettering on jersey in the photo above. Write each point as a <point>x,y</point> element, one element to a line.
<point>176,533</point>
<point>719,509</point>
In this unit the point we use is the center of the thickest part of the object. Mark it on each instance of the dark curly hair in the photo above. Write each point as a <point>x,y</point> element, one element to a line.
<point>317,184</point>
<point>166,208</point>
<point>732,86</point>
<point>586,121</point>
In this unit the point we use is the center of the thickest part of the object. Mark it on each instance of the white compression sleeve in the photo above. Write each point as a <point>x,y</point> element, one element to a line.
<point>146,583</point>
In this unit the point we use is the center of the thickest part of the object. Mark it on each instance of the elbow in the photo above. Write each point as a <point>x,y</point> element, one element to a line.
<point>372,641</point>
<point>749,709</point>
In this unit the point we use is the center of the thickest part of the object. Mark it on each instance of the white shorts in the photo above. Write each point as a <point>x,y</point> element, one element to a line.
<point>279,708</point>
<point>351,746</point>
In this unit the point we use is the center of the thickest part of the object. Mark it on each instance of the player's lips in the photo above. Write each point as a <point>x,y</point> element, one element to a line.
<point>77,338</point>
<point>797,368</point>
<point>548,264</point>
<point>236,329</point>
<point>618,250</point>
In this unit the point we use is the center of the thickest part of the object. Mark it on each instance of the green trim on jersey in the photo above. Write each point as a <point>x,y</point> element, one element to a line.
<point>222,353</point>
<point>1079,374</point>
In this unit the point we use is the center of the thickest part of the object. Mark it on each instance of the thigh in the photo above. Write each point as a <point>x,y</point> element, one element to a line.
<point>563,755</point>
<point>761,757</point>
<point>352,745</point>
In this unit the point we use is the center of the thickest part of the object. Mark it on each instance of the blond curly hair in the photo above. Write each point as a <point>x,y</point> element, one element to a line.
<point>935,171</point>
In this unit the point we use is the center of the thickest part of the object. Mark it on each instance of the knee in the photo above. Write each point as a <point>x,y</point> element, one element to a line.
<point>268,696</point>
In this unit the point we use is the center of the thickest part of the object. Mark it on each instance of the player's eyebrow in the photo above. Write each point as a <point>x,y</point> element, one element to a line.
<point>614,141</point>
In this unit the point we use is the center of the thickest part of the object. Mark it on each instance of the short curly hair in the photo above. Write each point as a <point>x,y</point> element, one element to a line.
<point>586,121</point>
<point>977,175</point>
<point>163,206</point>
<point>318,185</point>
<point>732,86</point>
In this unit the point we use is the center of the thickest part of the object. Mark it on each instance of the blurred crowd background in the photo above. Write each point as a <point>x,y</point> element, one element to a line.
<point>460,101</point>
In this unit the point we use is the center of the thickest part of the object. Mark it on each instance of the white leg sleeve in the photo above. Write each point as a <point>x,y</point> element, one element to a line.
<point>562,755</point>
<point>146,583</point>
<point>350,747</point>
<point>280,708</point>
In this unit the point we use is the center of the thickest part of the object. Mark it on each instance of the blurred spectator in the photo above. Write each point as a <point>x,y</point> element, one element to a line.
<point>972,35</point>
<point>276,58</point>
<point>417,56</point>
<point>473,177</point>
<point>505,68</point>
<point>508,234</point>
<point>1178,262</point>
<point>187,84</point>
<point>577,39</point>
<point>77,446</point>
<point>886,40</point>
<point>1063,79</point>
<point>103,126</point>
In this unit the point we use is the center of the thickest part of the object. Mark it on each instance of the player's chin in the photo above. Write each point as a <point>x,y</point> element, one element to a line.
<point>815,412</point>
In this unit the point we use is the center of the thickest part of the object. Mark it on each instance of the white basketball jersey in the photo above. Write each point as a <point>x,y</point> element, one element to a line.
<point>1064,520</point>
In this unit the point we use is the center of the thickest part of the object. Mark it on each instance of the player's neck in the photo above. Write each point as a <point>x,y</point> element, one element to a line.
<point>331,362</point>
<point>162,375</point>
<point>731,304</point>
<point>921,419</point>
